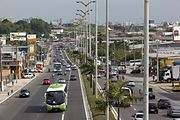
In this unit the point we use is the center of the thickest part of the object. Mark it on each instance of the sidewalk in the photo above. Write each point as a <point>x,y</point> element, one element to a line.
<point>10,89</point>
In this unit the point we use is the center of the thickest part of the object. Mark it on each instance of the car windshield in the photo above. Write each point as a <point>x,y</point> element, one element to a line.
<point>72,75</point>
<point>55,97</point>
<point>24,90</point>
<point>139,116</point>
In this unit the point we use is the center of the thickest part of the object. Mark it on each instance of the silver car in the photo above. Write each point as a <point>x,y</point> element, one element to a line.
<point>173,111</point>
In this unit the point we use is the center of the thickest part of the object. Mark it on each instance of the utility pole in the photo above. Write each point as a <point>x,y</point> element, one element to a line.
<point>146,62</point>
<point>17,65</point>
<point>2,85</point>
<point>107,56</point>
<point>96,54</point>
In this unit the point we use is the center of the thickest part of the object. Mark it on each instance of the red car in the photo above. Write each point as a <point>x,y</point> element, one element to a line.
<point>46,82</point>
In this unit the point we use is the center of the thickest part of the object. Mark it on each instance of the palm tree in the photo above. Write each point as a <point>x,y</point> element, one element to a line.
<point>116,95</point>
<point>120,97</point>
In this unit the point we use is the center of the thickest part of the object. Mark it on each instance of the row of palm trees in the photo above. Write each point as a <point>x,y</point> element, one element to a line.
<point>113,96</point>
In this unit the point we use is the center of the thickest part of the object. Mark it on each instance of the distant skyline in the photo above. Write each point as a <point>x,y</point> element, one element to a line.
<point>119,10</point>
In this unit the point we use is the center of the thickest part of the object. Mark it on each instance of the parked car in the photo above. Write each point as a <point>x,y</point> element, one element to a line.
<point>131,83</point>
<point>163,104</point>
<point>24,93</point>
<point>46,82</point>
<point>73,77</point>
<point>138,115</point>
<point>153,108</point>
<point>173,111</point>
<point>28,75</point>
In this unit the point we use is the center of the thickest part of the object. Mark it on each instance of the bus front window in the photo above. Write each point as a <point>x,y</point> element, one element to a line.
<point>55,97</point>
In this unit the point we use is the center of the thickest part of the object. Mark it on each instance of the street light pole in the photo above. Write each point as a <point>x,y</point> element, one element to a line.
<point>157,58</point>
<point>146,62</point>
<point>2,85</point>
<point>96,54</point>
<point>107,56</point>
<point>17,65</point>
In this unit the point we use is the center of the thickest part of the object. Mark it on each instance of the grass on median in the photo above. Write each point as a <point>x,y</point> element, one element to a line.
<point>96,114</point>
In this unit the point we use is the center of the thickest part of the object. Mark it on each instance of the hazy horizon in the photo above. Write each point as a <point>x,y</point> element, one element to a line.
<point>119,11</point>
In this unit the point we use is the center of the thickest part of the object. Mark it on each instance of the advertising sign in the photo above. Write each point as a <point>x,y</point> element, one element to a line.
<point>18,36</point>
<point>31,43</point>
<point>176,34</point>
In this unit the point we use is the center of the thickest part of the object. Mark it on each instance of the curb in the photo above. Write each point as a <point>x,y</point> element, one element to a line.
<point>18,90</point>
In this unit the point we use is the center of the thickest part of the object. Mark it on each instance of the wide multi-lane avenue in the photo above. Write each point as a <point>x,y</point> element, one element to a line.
<point>33,107</point>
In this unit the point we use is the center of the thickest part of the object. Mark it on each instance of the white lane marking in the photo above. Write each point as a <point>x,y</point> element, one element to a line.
<point>62,116</point>
<point>135,109</point>
<point>83,92</point>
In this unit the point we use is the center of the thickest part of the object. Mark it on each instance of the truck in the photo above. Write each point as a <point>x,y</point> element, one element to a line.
<point>172,74</point>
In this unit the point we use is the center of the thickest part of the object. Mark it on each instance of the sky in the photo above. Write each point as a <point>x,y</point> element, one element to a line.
<point>119,10</point>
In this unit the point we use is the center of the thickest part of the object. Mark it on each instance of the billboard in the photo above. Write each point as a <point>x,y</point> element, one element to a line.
<point>176,34</point>
<point>18,36</point>
<point>31,43</point>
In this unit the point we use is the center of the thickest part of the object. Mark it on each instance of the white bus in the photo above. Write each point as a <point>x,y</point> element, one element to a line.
<point>57,67</point>
<point>56,97</point>
<point>135,62</point>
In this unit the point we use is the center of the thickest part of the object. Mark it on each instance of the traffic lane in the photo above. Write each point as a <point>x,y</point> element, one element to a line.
<point>32,108</point>
<point>75,109</point>
<point>173,97</point>
<point>139,105</point>
<point>126,113</point>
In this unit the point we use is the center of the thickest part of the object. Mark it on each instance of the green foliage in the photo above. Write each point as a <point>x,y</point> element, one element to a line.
<point>101,105</point>
<point>36,26</point>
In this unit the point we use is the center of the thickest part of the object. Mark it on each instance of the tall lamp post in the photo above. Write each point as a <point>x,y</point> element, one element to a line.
<point>107,56</point>
<point>146,62</point>
<point>2,85</point>
<point>86,4</point>
<point>157,58</point>
<point>96,54</point>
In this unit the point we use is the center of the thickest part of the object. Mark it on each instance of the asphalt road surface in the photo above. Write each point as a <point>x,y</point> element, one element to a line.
<point>33,107</point>
<point>126,113</point>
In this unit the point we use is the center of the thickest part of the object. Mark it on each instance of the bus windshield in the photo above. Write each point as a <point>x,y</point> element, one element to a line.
<point>55,97</point>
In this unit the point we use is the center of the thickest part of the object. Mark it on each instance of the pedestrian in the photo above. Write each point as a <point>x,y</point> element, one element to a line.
<point>153,76</point>
<point>123,77</point>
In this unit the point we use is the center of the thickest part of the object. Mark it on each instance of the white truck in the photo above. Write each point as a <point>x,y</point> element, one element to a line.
<point>172,75</point>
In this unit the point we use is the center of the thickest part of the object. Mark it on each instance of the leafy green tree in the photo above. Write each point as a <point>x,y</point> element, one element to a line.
<point>40,27</point>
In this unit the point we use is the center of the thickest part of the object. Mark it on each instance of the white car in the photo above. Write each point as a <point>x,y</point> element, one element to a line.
<point>68,68</point>
<point>28,75</point>
<point>131,83</point>
<point>138,116</point>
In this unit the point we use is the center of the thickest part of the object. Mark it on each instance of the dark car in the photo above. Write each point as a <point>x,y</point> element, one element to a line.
<point>46,82</point>
<point>73,77</point>
<point>163,104</point>
<point>153,108</point>
<point>60,73</point>
<point>151,94</point>
<point>138,71</point>
<point>24,93</point>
